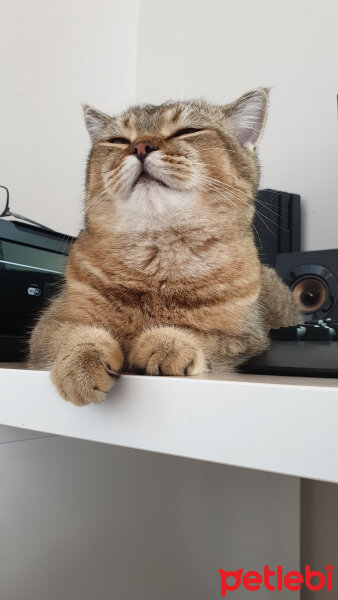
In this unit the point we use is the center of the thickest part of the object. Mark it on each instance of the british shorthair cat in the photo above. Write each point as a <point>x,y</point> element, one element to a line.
<point>165,279</point>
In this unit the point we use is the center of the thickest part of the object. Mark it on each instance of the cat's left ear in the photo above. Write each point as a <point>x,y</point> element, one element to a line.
<point>95,120</point>
<point>247,116</point>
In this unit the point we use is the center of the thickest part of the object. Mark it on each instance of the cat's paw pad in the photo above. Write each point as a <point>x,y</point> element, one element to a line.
<point>84,374</point>
<point>167,351</point>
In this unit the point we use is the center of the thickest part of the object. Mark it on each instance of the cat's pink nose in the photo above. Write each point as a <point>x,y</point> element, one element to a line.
<point>142,148</point>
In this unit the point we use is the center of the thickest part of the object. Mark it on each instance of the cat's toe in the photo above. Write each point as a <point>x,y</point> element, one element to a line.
<point>167,351</point>
<point>186,361</point>
<point>85,376</point>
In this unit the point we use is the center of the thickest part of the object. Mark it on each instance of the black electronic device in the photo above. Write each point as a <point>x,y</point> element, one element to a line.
<point>32,263</point>
<point>313,279</point>
<point>276,224</point>
<point>309,349</point>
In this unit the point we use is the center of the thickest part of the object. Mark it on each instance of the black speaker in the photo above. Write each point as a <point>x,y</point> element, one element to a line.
<point>313,279</point>
<point>276,224</point>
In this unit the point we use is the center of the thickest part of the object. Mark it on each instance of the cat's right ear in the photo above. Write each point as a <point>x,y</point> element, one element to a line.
<point>95,121</point>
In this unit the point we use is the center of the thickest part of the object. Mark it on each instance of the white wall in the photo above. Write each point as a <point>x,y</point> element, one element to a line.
<point>219,49</point>
<point>54,55</point>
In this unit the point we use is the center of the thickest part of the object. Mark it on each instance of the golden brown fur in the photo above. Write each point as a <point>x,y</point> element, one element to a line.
<point>165,277</point>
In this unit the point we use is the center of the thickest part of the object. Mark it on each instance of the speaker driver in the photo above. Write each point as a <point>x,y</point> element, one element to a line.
<point>310,294</point>
<point>313,278</point>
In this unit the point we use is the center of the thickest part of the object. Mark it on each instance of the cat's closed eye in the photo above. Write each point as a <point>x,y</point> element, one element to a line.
<point>118,140</point>
<point>186,131</point>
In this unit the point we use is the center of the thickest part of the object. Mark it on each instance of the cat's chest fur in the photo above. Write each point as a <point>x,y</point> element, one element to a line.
<point>175,242</point>
<point>175,255</point>
<point>181,276</point>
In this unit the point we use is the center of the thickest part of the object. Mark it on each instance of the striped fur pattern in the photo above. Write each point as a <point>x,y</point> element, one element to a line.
<point>165,278</point>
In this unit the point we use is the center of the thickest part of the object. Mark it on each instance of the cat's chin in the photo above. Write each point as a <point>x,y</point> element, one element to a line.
<point>152,207</point>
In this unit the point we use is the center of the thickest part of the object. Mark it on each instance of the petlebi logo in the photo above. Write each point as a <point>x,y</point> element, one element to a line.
<point>275,580</point>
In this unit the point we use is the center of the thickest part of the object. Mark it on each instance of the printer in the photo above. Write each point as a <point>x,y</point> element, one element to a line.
<point>32,264</point>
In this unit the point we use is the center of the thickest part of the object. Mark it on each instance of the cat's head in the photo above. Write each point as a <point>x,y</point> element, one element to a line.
<point>152,164</point>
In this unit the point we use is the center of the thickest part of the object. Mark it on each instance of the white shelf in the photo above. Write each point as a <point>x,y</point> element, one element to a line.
<point>278,424</point>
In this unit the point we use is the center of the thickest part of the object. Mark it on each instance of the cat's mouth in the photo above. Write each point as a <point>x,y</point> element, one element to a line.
<point>145,179</point>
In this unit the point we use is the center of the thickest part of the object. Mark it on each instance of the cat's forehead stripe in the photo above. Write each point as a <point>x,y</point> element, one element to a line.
<point>130,125</point>
<point>172,114</point>
<point>155,119</point>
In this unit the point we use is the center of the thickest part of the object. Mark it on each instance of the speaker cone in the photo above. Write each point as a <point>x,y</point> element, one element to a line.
<point>310,294</point>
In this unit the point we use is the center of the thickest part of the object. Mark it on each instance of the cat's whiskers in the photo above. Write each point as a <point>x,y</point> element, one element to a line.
<point>227,198</point>
<point>274,212</point>
<point>223,183</point>
<point>218,148</point>
<point>216,187</point>
<point>272,221</point>
<point>252,197</point>
<point>221,193</point>
<point>253,225</point>
<point>257,200</point>
<point>62,244</point>
<point>257,212</point>
<point>212,183</point>
<point>265,225</point>
<point>102,194</point>
<point>97,201</point>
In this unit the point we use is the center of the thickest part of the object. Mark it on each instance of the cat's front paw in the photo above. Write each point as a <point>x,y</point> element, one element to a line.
<point>86,369</point>
<point>167,351</point>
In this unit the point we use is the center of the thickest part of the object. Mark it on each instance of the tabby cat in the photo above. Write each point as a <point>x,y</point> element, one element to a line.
<point>165,278</point>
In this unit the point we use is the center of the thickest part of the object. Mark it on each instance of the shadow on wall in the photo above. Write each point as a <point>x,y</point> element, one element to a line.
<point>319,532</point>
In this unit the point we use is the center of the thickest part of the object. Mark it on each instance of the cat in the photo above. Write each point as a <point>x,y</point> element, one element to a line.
<point>165,279</point>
